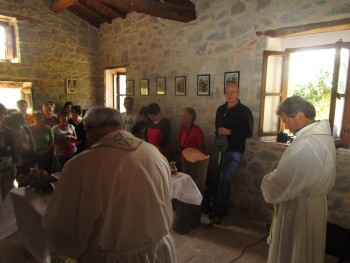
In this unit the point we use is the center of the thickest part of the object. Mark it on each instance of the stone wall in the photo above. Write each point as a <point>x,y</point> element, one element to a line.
<point>261,158</point>
<point>52,47</point>
<point>221,39</point>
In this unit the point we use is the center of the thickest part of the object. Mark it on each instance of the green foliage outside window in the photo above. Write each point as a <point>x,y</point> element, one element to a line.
<point>319,94</point>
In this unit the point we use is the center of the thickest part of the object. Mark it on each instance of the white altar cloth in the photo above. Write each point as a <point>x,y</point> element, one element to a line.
<point>184,189</point>
<point>23,209</point>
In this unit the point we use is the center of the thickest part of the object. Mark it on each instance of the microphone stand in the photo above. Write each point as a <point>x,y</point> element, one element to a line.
<point>218,170</point>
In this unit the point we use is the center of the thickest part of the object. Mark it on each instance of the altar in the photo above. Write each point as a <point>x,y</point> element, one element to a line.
<point>23,209</point>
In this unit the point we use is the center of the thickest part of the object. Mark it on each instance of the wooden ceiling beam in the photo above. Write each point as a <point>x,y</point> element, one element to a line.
<point>97,12</point>
<point>105,9</point>
<point>182,3</point>
<point>59,5</point>
<point>86,14</point>
<point>342,24</point>
<point>157,9</point>
<point>117,11</point>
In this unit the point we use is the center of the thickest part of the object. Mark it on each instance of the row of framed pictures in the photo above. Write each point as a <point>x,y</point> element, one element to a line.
<point>203,84</point>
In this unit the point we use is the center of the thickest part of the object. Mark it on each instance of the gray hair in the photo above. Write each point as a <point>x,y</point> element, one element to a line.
<point>292,105</point>
<point>100,116</point>
<point>191,112</point>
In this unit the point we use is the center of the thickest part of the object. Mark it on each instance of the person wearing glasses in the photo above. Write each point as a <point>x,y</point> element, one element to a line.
<point>233,125</point>
<point>49,118</point>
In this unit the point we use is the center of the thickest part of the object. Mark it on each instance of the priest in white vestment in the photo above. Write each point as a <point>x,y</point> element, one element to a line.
<point>299,186</point>
<point>112,202</point>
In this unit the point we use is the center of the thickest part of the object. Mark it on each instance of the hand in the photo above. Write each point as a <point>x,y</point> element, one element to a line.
<point>224,131</point>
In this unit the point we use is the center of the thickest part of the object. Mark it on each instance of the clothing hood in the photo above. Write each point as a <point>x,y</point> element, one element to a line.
<point>119,139</point>
<point>321,127</point>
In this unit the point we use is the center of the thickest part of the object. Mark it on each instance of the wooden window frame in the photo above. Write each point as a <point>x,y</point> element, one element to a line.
<point>344,140</point>
<point>10,26</point>
<point>117,94</point>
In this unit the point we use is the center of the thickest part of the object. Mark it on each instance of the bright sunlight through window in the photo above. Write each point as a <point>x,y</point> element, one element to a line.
<point>9,97</point>
<point>310,76</point>
<point>2,43</point>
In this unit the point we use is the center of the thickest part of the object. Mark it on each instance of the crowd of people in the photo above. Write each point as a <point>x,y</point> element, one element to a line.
<point>44,140</point>
<point>48,139</point>
<point>153,127</point>
<point>112,231</point>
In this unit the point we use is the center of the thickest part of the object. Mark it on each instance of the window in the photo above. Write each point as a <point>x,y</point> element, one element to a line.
<point>8,39</point>
<point>119,91</point>
<point>11,92</point>
<point>318,73</point>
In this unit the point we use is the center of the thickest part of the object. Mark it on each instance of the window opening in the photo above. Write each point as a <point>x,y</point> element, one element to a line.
<point>119,91</point>
<point>320,74</point>
<point>8,39</point>
<point>11,92</point>
<point>2,43</point>
<point>9,97</point>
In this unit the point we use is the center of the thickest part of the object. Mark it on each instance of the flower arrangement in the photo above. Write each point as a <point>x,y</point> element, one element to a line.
<point>37,180</point>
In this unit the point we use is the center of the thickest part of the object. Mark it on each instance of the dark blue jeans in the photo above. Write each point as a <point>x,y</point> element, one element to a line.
<point>229,164</point>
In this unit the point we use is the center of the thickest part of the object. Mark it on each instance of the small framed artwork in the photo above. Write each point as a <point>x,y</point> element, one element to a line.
<point>144,88</point>
<point>231,77</point>
<point>161,86</point>
<point>180,86</point>
<point>203,85</point>
<point>129,88</point>
<point>71,85</point>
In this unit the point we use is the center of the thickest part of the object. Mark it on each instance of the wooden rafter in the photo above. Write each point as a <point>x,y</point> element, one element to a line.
<point>105,9</point>
<point>59,5</point>
<point>86,14</point>
<point>101,14</point>
<point>182,3</point>
<point>342,24</point>
<point>97,12</point>
<point>157,9</point>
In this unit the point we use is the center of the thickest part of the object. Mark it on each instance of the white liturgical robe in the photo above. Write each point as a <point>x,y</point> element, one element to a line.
<point>112,204</point>
<point>298,189</point>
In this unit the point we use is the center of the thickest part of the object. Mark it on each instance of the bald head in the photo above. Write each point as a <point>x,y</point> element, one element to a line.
<point>232,93</point>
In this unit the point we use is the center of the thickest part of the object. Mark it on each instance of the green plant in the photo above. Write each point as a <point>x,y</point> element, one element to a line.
<point>319,93</point>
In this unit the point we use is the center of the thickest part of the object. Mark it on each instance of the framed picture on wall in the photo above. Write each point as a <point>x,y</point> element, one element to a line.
<point>231,77</point>
<point>180,86</point>
<point>129,88</point>
<point>203,85</point>
<point>144,88</point>
<point>71,85</point>
<point>161,86</point>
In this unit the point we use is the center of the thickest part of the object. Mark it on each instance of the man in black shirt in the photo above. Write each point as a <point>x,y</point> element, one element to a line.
<point>234,124</point>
